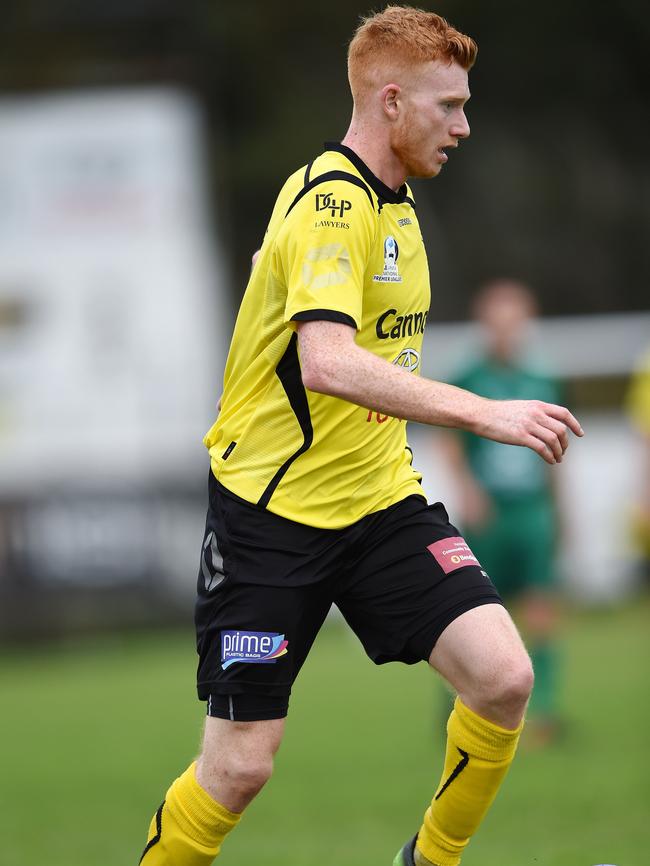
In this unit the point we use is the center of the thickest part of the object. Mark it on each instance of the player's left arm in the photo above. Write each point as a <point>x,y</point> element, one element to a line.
<point>332,363</point>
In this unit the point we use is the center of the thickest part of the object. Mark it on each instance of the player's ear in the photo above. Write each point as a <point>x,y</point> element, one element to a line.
<point>390,100</point>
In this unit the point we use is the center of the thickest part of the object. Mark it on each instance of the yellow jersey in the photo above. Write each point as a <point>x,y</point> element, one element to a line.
<point>340,246</point>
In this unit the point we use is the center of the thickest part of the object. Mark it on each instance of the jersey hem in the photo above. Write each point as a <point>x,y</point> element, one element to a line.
<point>406,489</point>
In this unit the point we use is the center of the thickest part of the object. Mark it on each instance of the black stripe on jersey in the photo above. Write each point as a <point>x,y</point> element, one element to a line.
<point>308,172</point>
<point>407,200</point>
<point>154,839</point>
<point>288,372</point>
<point>324,178</point>
<point>384,193</point>
<point>325,316</point>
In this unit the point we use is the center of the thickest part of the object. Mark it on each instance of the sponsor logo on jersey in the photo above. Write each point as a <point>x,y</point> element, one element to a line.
<point>391,254</point>
<point>325,266</point>
<point>251,647</point>
<point>394,326</point>
<point>331,224</point>
<point>408,359</point>
<point>452,553</point>
<point>405,221</point>
<point>326,201</point>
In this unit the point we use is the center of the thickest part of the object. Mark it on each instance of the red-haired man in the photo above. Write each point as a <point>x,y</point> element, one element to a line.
<point>313,498</point>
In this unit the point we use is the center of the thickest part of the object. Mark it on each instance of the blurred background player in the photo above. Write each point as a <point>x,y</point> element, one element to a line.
<point>507,499</point>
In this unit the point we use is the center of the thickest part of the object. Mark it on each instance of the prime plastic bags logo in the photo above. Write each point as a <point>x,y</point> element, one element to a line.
<point>251,647</point>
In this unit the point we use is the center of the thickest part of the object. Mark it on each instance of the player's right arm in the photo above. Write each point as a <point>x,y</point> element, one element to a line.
<point>332,363</point>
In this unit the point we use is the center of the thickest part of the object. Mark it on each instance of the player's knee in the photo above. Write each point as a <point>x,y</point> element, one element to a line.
<point>501,692</point>
<point>247,774</point>
<point>236,760</point>
<point>513,685</point>
<point>238,776</point>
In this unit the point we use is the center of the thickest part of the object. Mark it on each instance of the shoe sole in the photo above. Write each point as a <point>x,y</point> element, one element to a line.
<point>404,857</point>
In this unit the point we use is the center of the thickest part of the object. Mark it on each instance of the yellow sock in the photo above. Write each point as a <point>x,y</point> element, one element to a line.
<point>189,827</point>
<point>477,759</point>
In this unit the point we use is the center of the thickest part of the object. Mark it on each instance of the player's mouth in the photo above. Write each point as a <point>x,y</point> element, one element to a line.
<point>442,155</point>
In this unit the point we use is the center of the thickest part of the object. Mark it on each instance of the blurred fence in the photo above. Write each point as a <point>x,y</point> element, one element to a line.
<point>112,341</point>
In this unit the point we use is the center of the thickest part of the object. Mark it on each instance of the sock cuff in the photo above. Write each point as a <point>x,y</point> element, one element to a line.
<point>195,809</point>
<point>484,739</point>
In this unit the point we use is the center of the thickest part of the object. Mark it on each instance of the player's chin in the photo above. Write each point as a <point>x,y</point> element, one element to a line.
<point>428,171</point>
<point>426,168</point>
<point>435,169</point>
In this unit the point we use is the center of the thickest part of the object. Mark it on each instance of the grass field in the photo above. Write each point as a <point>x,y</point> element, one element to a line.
<point>93,731</point>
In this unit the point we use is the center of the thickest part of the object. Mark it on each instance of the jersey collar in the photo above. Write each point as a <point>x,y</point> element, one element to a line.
<point>384,193</point>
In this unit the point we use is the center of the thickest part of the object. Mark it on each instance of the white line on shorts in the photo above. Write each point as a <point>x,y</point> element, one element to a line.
<point>232,709</point>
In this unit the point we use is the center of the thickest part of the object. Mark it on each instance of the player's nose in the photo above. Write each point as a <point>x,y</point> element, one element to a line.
<point>460,129</point>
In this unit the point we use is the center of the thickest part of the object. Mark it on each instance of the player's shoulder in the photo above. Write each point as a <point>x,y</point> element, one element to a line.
<point>338,178</point>
<point>328,197</point>
<point>332,186</point>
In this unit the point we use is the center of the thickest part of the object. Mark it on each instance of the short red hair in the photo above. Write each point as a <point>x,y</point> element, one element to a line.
<point>404,36</point>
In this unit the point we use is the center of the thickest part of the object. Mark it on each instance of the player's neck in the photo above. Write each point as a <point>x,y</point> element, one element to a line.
<point>377,155</point>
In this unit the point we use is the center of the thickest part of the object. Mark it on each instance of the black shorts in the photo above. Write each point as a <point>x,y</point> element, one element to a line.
<point>399,577</point>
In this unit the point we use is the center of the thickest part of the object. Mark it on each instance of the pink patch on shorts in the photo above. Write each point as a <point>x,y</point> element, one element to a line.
<point>452,553</point>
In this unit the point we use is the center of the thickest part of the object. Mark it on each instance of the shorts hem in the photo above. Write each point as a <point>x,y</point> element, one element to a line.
<point>261,716</point>
<point>246,708</point>
<point>215,687</point>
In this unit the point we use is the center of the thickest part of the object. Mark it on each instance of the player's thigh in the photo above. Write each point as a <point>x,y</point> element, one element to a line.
<point>482,654</point>
<point>262,595</point>
<point>253,642</point>
<point>412,575</point>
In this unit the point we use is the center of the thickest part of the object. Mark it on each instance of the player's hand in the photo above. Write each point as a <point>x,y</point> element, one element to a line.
<point>542,427</point>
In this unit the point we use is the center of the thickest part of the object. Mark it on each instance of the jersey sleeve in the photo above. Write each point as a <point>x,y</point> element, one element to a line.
<point>322,252</point>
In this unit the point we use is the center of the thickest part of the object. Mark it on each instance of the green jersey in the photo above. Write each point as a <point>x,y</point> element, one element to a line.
<point>506,472</point>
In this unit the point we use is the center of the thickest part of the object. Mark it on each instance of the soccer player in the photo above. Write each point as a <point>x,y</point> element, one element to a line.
<point>507,496</point>
<point>312,496</point>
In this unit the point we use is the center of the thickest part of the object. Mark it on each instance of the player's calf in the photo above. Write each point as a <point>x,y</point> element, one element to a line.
<point>482,656</point>
<point>189,826</point>
<point>204,804</point>
<point>478,756</point>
